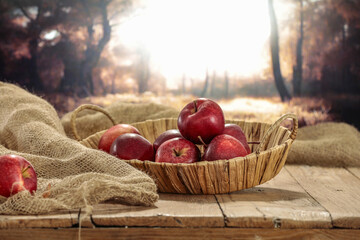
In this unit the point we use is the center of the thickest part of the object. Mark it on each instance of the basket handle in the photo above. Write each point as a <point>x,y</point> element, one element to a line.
<point>82,107</point>
<point>275,126</point>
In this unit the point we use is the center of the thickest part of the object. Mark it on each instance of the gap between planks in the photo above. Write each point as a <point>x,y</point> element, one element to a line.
<point>279,203</point>
<point>171,210</point>
<point>58,219</point>
<point>336,189</point>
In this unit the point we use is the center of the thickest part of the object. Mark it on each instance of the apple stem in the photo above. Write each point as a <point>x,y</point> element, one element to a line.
<point>176,153</point>
<point>25,169</point>
<point>202,141</point>
<point>255,142</point>
<point>195,106</point>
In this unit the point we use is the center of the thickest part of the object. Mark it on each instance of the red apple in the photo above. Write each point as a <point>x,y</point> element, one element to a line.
<point>167,135</point>
<point>177,150</point>
<point>236,132</point>
<point>201,118</point>
<point>132,146</point>
<point>224,147</point>
<point>112,133</point>
<point>16,174</point>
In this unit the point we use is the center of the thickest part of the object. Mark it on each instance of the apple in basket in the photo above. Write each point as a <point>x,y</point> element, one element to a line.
<point>16,174</point>
<point>177,150</point>
<point>167,135</point>
<point>132,146</point>
<point>112,133</point>
<point>224,147</point>
<point>201,120</point>
<point>236,132</point>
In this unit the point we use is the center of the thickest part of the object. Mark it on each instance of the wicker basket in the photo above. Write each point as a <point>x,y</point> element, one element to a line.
<point>221,176</point>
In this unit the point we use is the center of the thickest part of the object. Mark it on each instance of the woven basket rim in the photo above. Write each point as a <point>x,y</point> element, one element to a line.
<point>202,177</point>
<point>200,163</point>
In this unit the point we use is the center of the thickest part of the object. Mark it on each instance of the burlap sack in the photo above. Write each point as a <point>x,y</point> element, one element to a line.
<point>77,176</point>
<point>326,144</point>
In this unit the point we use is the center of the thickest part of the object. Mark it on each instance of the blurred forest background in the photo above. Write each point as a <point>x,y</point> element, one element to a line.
<point>258,59</point>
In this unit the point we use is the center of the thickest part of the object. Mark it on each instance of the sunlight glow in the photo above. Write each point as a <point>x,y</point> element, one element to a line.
<point>51,35</point>
<point>188,37</point>
<point>252,105</point>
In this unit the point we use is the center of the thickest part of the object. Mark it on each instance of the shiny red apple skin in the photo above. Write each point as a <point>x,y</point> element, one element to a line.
<point>16,175</point>
<point>236,132</point>
<point>132,146</point>
<point>224,147</point>
<point>178,150</point>
<point>202,117</point>
<point>112,133</point>
<point>167,135</point>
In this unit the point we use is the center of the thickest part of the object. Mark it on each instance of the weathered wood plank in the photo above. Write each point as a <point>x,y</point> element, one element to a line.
<point>279,203</point>
<point>336,189</point>
<point>180,233</point>
<point>299,197</point>
<point>172,210</point>
<point>51,220</point>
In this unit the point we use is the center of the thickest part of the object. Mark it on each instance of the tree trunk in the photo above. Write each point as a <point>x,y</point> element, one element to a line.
<point>143,71</point>
<point>35,80</point>
<point>143,80</point>
<point>34,30</point>
<point>93,52</point>
<point>183,85</point>
<point>206,84</point>
<point>212,84</point>
<point>72,66</point>
<point>113,86</point>
<point>226,79</point>
<point>297,70</point>
<point>191,85</point>
<point>274,46</point>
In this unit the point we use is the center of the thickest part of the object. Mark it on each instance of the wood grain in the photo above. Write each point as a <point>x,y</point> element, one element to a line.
<point>180,233</point>
<point>298,197</point>
<point>51,220</point>
<point>279,203</point>
<point>172,210</point>
<point>336,189</point>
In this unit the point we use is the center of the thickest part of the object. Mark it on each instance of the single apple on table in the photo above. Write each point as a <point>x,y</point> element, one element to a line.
<point>167,135</point>
<point>132,146</point>
<point>224,147</point>
<point>177,150</point>
<point>236,132</point>
<point>202,118</point>
<point>112,133</point>
<point>16,174</point>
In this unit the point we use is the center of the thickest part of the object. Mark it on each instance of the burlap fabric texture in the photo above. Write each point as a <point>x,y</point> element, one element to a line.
<point>326,144</point>
<point>69,174</point>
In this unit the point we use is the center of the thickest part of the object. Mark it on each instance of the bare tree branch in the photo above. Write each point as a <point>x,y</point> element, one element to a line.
<point>24,12</point>
<point>106,26</point>
<point>40,8</point>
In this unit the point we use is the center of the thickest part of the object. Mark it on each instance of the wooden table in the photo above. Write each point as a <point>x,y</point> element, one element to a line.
<point>301,202</point>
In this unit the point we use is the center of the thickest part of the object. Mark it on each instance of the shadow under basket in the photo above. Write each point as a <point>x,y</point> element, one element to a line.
<point>221,176</point>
